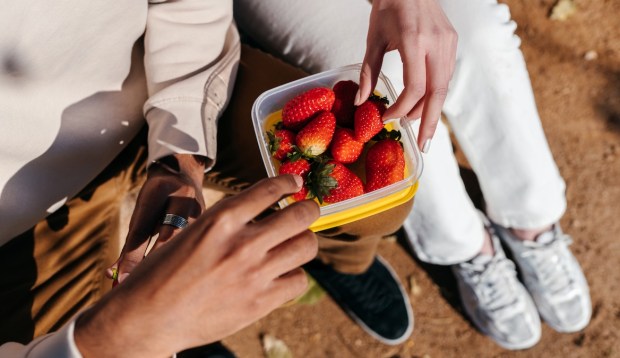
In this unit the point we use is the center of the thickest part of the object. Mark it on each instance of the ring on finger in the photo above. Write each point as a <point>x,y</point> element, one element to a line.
<point>175,220</point>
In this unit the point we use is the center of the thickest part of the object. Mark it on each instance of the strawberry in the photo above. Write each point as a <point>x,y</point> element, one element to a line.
<point>367,119</point>
<point>315,137</point>
<point>281,143</point>
<point>345,148</point>
<point>300,167</point>
<point>333,182</point>
<point>298,111</point>
<point>385,164</point>
<point>343,107</point>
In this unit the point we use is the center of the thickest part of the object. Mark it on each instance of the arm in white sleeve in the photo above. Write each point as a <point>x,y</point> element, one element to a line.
<point>59,344</point>
<point>191,56</point>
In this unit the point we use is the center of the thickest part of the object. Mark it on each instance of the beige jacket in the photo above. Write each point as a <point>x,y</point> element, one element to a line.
<point>77,80</point>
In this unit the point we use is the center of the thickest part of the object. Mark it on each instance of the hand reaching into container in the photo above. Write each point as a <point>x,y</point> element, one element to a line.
<point>218,275</point>
<point>426,41</point>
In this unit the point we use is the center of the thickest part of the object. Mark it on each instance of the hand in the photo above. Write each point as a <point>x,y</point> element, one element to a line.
<point>173,185</point>
<point>217,276</point>
<point>426,41</point>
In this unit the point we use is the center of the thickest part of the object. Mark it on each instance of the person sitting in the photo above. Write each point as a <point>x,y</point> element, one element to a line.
<point>490,108</point>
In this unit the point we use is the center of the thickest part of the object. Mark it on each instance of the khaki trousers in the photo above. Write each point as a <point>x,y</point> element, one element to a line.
<point>55,269</point>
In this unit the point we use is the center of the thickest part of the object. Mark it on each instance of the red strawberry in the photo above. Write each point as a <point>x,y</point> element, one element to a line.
<point>300,109</point>
<point>333,182</point>
<point>343,107</point>
<point>367,120</point>
<point>281,143</point>
<point>300,167</point>
<point>315,137</point>
<point>345,148</point>
<point>385,164</point>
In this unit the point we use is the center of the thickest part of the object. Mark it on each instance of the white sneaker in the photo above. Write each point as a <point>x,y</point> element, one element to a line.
<point>496,301</point>
<point>553,277</point>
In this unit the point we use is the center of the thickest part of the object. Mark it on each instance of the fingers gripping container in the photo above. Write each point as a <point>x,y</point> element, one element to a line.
<point>266,112</point>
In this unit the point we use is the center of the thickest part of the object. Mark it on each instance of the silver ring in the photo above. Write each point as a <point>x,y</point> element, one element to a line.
<point>175,220</point>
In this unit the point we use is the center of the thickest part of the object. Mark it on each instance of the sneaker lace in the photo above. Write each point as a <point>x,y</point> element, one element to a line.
<point>494,282</point>
<point>550,266</point>
<point>370,293</point>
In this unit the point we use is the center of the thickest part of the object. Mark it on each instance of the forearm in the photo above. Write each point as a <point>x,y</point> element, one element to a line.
<point>191,52</point>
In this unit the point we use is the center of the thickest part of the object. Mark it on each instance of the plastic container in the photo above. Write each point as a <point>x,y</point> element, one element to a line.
<point>266,111</point>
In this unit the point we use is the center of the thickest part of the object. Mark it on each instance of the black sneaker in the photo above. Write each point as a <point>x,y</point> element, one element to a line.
<point>213,350</point>
<point>374,299</point>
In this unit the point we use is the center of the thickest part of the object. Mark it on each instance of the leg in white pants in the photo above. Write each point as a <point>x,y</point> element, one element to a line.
<point>490,107</point>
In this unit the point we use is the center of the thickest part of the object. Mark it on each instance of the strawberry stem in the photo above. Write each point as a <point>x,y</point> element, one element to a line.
<point>319,181</point>
<point>385,134</point>
<point>376,98</point>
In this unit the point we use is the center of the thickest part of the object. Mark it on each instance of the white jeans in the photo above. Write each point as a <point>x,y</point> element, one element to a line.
<point>490,108</point>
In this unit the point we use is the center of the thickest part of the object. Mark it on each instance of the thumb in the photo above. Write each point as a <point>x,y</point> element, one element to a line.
<point>129,259</point>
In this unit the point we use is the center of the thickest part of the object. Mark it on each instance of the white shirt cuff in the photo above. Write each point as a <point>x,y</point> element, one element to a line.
<point>59,344</point>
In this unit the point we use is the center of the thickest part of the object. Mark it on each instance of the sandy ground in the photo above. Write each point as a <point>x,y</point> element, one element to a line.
<point>579,103</point>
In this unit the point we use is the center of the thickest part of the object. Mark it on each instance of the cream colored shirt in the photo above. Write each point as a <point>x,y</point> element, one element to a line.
<point>78,78</point>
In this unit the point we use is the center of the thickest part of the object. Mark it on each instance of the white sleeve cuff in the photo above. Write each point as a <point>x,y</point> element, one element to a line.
<point>59,344</point>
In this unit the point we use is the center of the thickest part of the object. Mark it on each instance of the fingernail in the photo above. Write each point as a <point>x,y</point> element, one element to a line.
<point>122,277</point>
<point>298,180</point>
<point>426,146</point>
<point>357,98</point>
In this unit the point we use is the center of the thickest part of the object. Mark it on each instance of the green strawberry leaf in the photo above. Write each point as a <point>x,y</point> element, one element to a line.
<point>295,155</point>
<point>274,142</point>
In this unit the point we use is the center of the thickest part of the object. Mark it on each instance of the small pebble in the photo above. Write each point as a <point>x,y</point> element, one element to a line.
<point>275,348</point>
<point>414,287</point>
<point>590,55</point>
<point>563,10</point>
<point>391,239</point>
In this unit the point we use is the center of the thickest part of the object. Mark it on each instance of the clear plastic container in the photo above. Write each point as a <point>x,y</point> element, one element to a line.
<point>265,112</point>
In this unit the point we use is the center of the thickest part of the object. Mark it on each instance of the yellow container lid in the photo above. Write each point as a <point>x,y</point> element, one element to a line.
<point>364,210</point>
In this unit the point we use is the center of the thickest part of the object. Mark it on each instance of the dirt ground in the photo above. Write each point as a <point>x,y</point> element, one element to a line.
<point>579,103</point>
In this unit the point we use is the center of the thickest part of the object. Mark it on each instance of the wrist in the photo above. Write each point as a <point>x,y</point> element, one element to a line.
<point>105,331</point>
<point>92,338</point>
<point>190,165</point>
